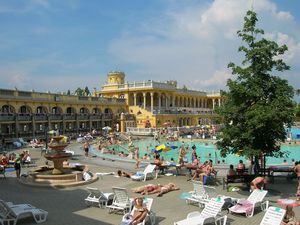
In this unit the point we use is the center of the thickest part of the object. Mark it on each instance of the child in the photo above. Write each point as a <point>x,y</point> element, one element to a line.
<point>289,217</point>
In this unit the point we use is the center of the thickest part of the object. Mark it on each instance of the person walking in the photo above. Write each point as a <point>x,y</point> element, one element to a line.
<point>17,164</point>
<point>297,171</point>
<point>86,147</point>
<point>137,157</point>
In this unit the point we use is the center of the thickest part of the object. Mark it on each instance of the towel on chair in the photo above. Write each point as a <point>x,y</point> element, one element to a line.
<point>243,206</point>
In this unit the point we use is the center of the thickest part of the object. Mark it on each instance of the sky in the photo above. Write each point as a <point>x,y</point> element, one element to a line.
<point>55,45</point>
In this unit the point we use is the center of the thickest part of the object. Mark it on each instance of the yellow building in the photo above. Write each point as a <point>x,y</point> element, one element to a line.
<point>158,104</point>
<point>29,114</point>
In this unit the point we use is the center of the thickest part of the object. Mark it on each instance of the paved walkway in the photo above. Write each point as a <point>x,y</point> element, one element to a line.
<point>67,207</point>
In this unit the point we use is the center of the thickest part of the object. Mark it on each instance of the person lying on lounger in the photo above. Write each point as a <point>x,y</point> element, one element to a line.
<point>139,213</point>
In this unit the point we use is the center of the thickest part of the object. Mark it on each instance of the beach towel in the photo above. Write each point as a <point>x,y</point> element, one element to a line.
<point>243,206</point>
<point>185,195</point>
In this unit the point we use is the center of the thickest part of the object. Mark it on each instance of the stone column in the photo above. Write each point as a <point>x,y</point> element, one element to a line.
<point>159,101</point>
<point>144,95</point>
<point>167,102</point>
<point>219,102</point>
<point>173,101</point>
<point>122,122</point>
<point>134,99</point>
<point>213,103</point>
<point>151,94</point>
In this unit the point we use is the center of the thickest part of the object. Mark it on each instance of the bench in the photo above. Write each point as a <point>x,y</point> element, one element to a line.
<point>238,178</point>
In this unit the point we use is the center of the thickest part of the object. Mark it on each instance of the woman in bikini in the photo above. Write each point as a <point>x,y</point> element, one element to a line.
<point>147,189</point>
<point>138,214</point>
<point>164,189</point>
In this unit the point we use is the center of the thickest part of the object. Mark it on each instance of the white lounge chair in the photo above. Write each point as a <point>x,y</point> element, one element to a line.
<point>273,216</point>
<point>248,206</point>
<point>98,197</point>
<point>149,171</point>
<point>212,193</point>
<point>10,213</point>
<point>199,195</point>
<point>150,217</point>
<point>121,201</point>
<point>210,214</point>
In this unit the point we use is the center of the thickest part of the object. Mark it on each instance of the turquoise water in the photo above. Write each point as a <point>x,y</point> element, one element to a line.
<point>295,131</point>
<point>208,151</point>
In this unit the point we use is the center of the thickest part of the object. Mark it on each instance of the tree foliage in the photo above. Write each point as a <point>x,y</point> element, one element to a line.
<point>257,105</point>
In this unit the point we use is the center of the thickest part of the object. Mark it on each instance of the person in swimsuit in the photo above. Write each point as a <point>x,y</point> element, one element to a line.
<point>297,171</point>
<point>86,147</point>
<point>138,214</point>
<point>137,157</point>
<point>147,189</point>
<point>124,174</point>
<point>258,183</point>
<point>164,189</point>
<point>181,155</point>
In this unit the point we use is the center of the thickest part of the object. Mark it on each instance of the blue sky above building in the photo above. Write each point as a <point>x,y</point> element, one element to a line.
<point>59,45</point>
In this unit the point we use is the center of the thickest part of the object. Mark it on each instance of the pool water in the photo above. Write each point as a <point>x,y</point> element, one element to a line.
<point>205,151</point>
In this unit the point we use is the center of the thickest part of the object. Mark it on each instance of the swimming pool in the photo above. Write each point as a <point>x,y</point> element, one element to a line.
<point>205,150</point>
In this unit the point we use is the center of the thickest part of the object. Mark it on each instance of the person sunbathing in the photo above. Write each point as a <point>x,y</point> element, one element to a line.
<point>146,189</point>
<point>197,175</point>
<point>124,174</point>
<point>139,213</point>
<point>164,189</point>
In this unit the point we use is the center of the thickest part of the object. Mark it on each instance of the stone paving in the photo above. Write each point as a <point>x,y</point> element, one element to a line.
<point>67,207</point>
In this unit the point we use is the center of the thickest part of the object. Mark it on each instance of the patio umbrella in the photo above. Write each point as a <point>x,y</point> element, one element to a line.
<point>107,128</point>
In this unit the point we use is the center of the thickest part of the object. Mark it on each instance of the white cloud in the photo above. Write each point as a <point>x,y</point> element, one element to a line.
<point>218,79</point>
<point>293,53</point>
<point>194,44</point>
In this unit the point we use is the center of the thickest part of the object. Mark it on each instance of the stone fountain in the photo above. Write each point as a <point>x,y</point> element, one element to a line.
<point>59,175</point>
<point>57,154</point>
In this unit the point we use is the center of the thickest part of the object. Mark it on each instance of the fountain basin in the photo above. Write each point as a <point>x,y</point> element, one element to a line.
<point>44,177</point>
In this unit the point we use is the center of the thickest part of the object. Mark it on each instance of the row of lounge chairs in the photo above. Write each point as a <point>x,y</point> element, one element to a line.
<point>213,203</point>
<point>202,195</point>
<point>212,214</point>
<point>11,213</point>
<point>120,202</point>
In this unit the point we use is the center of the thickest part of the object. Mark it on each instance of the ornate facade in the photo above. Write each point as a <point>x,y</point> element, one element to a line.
<point>30,114</point>
<point>156,104</point>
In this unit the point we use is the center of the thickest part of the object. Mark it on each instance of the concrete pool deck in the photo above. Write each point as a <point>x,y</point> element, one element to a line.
<point>67,206</point>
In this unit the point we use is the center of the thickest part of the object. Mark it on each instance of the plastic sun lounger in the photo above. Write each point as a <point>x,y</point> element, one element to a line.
<point>10,213</point>
<point>98,197</point>
<point>121,201</point>
<point>210,213</point>
<point>199,196</point>
<point>149,170</point>
<point>273,216</point>
<point>247,206</point>
<point>150,217</point>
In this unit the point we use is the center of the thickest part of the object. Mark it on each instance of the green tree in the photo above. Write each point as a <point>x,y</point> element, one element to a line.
<point>257,105</point>
<point>86,91</point>
<point>79,91</point>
